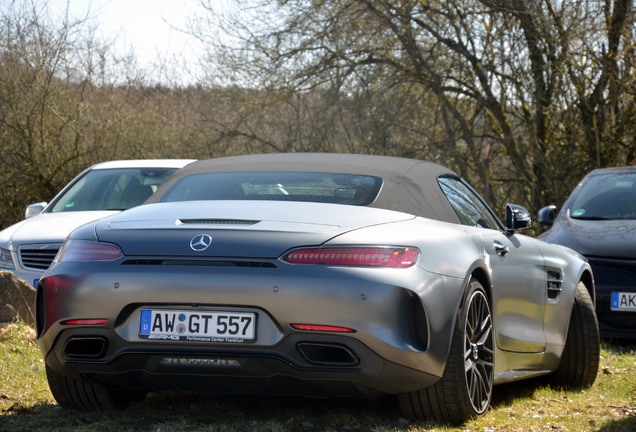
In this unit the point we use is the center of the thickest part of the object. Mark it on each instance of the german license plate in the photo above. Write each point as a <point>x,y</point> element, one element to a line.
<point>624,301</point>
<point>200,326</point>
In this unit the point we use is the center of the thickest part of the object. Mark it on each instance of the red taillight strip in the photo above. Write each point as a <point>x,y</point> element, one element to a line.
<point>85,322</point>
<point>323,328</point>
<point>354,256</point>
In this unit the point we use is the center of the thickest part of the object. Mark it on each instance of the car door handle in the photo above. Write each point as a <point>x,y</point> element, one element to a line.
<point>500,249</point>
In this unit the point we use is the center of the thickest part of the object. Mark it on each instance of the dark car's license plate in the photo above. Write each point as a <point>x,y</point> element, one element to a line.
<point>624,301</point>
<point>205,326</point>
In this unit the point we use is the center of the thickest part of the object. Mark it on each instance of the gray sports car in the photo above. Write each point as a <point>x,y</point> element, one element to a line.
<point>314,274</point>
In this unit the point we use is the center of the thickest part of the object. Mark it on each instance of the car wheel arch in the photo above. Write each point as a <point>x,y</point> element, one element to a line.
<point>483,277</point>
<point>588,280</point>
<point>479,273</point>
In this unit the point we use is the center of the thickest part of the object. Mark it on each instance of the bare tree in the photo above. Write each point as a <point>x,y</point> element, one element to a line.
<point>42,95</point>
<point>529,95</point>
<point>67,102</point>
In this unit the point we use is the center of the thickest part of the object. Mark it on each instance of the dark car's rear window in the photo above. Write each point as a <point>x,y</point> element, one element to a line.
<point>275,185</point>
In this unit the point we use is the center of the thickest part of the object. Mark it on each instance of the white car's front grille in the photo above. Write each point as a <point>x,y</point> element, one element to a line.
<point>38,257</point>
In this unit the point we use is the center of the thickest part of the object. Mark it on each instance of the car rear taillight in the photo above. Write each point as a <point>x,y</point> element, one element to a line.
<point>85,250</point>
<point>395,257</point>
<point>322,328</point>
<point>87,322</point>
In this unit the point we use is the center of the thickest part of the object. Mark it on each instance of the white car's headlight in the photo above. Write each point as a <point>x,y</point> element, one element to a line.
<point>6,262</point>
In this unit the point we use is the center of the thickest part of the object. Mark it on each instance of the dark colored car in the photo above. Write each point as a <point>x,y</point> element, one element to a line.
<point>314,274</point>
<point>599,221</point>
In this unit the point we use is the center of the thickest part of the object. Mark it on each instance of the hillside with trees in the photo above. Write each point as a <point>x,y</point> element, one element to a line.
<point>520,97</point>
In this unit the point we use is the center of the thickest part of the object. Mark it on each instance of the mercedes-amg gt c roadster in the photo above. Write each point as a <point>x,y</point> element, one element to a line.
<point>317,275</point>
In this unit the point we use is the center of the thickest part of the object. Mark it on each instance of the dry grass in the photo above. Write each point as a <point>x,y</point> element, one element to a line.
<point>26,404</point>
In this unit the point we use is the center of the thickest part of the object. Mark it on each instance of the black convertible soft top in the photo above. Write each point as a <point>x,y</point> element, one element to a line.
<point>409,185</point>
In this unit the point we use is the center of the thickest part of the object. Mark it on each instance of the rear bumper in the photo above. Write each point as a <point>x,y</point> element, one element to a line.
<point>335,365</point>
<point>402,322</point>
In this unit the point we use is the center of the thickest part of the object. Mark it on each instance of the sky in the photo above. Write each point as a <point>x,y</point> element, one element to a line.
<point>146,28</point>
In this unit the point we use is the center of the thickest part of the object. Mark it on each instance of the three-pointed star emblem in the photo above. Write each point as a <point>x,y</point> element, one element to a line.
<point>200,242</point>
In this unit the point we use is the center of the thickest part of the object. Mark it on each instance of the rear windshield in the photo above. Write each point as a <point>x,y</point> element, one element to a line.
<point>610,196</point>
<point>279,186</point>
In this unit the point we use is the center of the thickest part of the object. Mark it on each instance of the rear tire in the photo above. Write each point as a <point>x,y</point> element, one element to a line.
<point>580,358</point>
<point>79,394</point>
<point>465,389</point>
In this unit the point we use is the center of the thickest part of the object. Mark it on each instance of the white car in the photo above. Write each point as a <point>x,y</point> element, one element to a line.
<point>27,248</point>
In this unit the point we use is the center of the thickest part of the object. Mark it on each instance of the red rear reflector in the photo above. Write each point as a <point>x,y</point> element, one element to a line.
<point>323,328</point>
<point>396,257</point>
<point>85,322</point>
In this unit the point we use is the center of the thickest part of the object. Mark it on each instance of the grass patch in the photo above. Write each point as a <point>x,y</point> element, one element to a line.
<point>23,383</point>
<point>532,405</point>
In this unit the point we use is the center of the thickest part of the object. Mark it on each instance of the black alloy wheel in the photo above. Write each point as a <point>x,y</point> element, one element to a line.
<point>478,352</point>
<point>465,389</point>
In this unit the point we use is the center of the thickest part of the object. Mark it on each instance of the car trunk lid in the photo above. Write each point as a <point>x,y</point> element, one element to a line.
<point>234,228</point>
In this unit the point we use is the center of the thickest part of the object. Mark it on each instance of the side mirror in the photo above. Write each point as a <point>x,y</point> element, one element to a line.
<point>34,209</point>
<point>547,215</point>
<point>517,218</point>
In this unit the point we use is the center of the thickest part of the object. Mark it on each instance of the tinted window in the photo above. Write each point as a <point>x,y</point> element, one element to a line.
<point>280,186</point>
<point>112,189</point>
<point>469,207</point>
<point>609,196</point>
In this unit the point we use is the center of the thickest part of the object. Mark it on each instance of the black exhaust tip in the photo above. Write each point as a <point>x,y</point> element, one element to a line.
<point>327,354</point>
<point>86,347</point>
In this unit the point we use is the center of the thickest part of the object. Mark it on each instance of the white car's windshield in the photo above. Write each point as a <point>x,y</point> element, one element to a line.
<point>606,197</point>
<point>112,189</point>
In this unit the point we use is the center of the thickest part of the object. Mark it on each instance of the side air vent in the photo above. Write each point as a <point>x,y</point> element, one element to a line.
<point>218,222</point>
<point>555,284</point>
